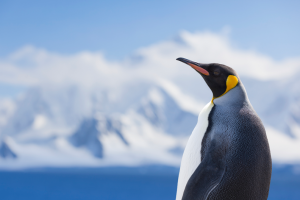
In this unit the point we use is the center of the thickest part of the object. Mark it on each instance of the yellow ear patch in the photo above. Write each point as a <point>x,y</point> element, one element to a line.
<point>231,82</point>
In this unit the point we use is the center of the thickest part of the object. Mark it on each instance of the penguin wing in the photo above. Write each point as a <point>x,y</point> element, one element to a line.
<point>207,176</point>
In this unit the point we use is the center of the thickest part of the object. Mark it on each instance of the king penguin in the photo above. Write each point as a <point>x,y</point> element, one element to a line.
<point>227,156</point>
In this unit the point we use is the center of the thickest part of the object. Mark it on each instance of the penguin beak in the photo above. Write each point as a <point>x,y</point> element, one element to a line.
<point>197,66</point>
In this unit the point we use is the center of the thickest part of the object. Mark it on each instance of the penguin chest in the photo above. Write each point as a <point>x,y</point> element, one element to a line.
<point>192,154</point>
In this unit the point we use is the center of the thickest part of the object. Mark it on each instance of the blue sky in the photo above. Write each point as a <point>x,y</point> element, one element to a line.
<point>117,28</point>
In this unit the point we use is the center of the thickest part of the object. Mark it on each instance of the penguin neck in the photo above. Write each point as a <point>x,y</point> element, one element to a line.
<point>235,96</point>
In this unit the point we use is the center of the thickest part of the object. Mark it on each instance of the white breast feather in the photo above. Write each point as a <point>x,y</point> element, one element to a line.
<point>191,156</point>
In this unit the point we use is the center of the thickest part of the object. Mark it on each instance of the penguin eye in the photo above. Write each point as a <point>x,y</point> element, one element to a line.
<point>216,73</point>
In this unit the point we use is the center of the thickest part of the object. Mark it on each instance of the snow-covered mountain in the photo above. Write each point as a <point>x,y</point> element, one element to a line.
<point>64,122</point>
<point>82,110</point>
<point>70,126</point>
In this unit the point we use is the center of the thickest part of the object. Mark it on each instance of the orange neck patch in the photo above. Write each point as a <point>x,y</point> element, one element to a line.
<point>231,82</point>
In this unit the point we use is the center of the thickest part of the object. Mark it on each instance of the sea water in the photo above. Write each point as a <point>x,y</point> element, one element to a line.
<point>113,185</point>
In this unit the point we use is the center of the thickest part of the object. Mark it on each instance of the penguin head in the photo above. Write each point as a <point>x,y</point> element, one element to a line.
<point>219,78</point>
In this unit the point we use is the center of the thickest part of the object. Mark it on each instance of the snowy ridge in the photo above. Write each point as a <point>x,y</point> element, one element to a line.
<point>153,131</point>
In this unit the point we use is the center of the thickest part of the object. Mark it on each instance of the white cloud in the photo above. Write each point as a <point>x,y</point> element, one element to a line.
<point>31,66</point>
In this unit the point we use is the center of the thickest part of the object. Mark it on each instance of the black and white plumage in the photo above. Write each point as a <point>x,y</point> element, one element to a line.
<point>227,155</point>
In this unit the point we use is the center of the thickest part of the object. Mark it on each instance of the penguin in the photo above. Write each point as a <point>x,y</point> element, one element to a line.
<point>227,156</point>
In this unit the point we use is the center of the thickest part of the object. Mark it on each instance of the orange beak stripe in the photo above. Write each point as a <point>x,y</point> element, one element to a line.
<point>199,69</point>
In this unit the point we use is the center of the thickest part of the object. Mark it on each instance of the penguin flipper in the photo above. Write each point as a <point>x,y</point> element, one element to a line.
<point>207,176</point>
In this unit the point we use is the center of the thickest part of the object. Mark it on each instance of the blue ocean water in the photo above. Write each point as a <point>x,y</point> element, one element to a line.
<point>113,185</point>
